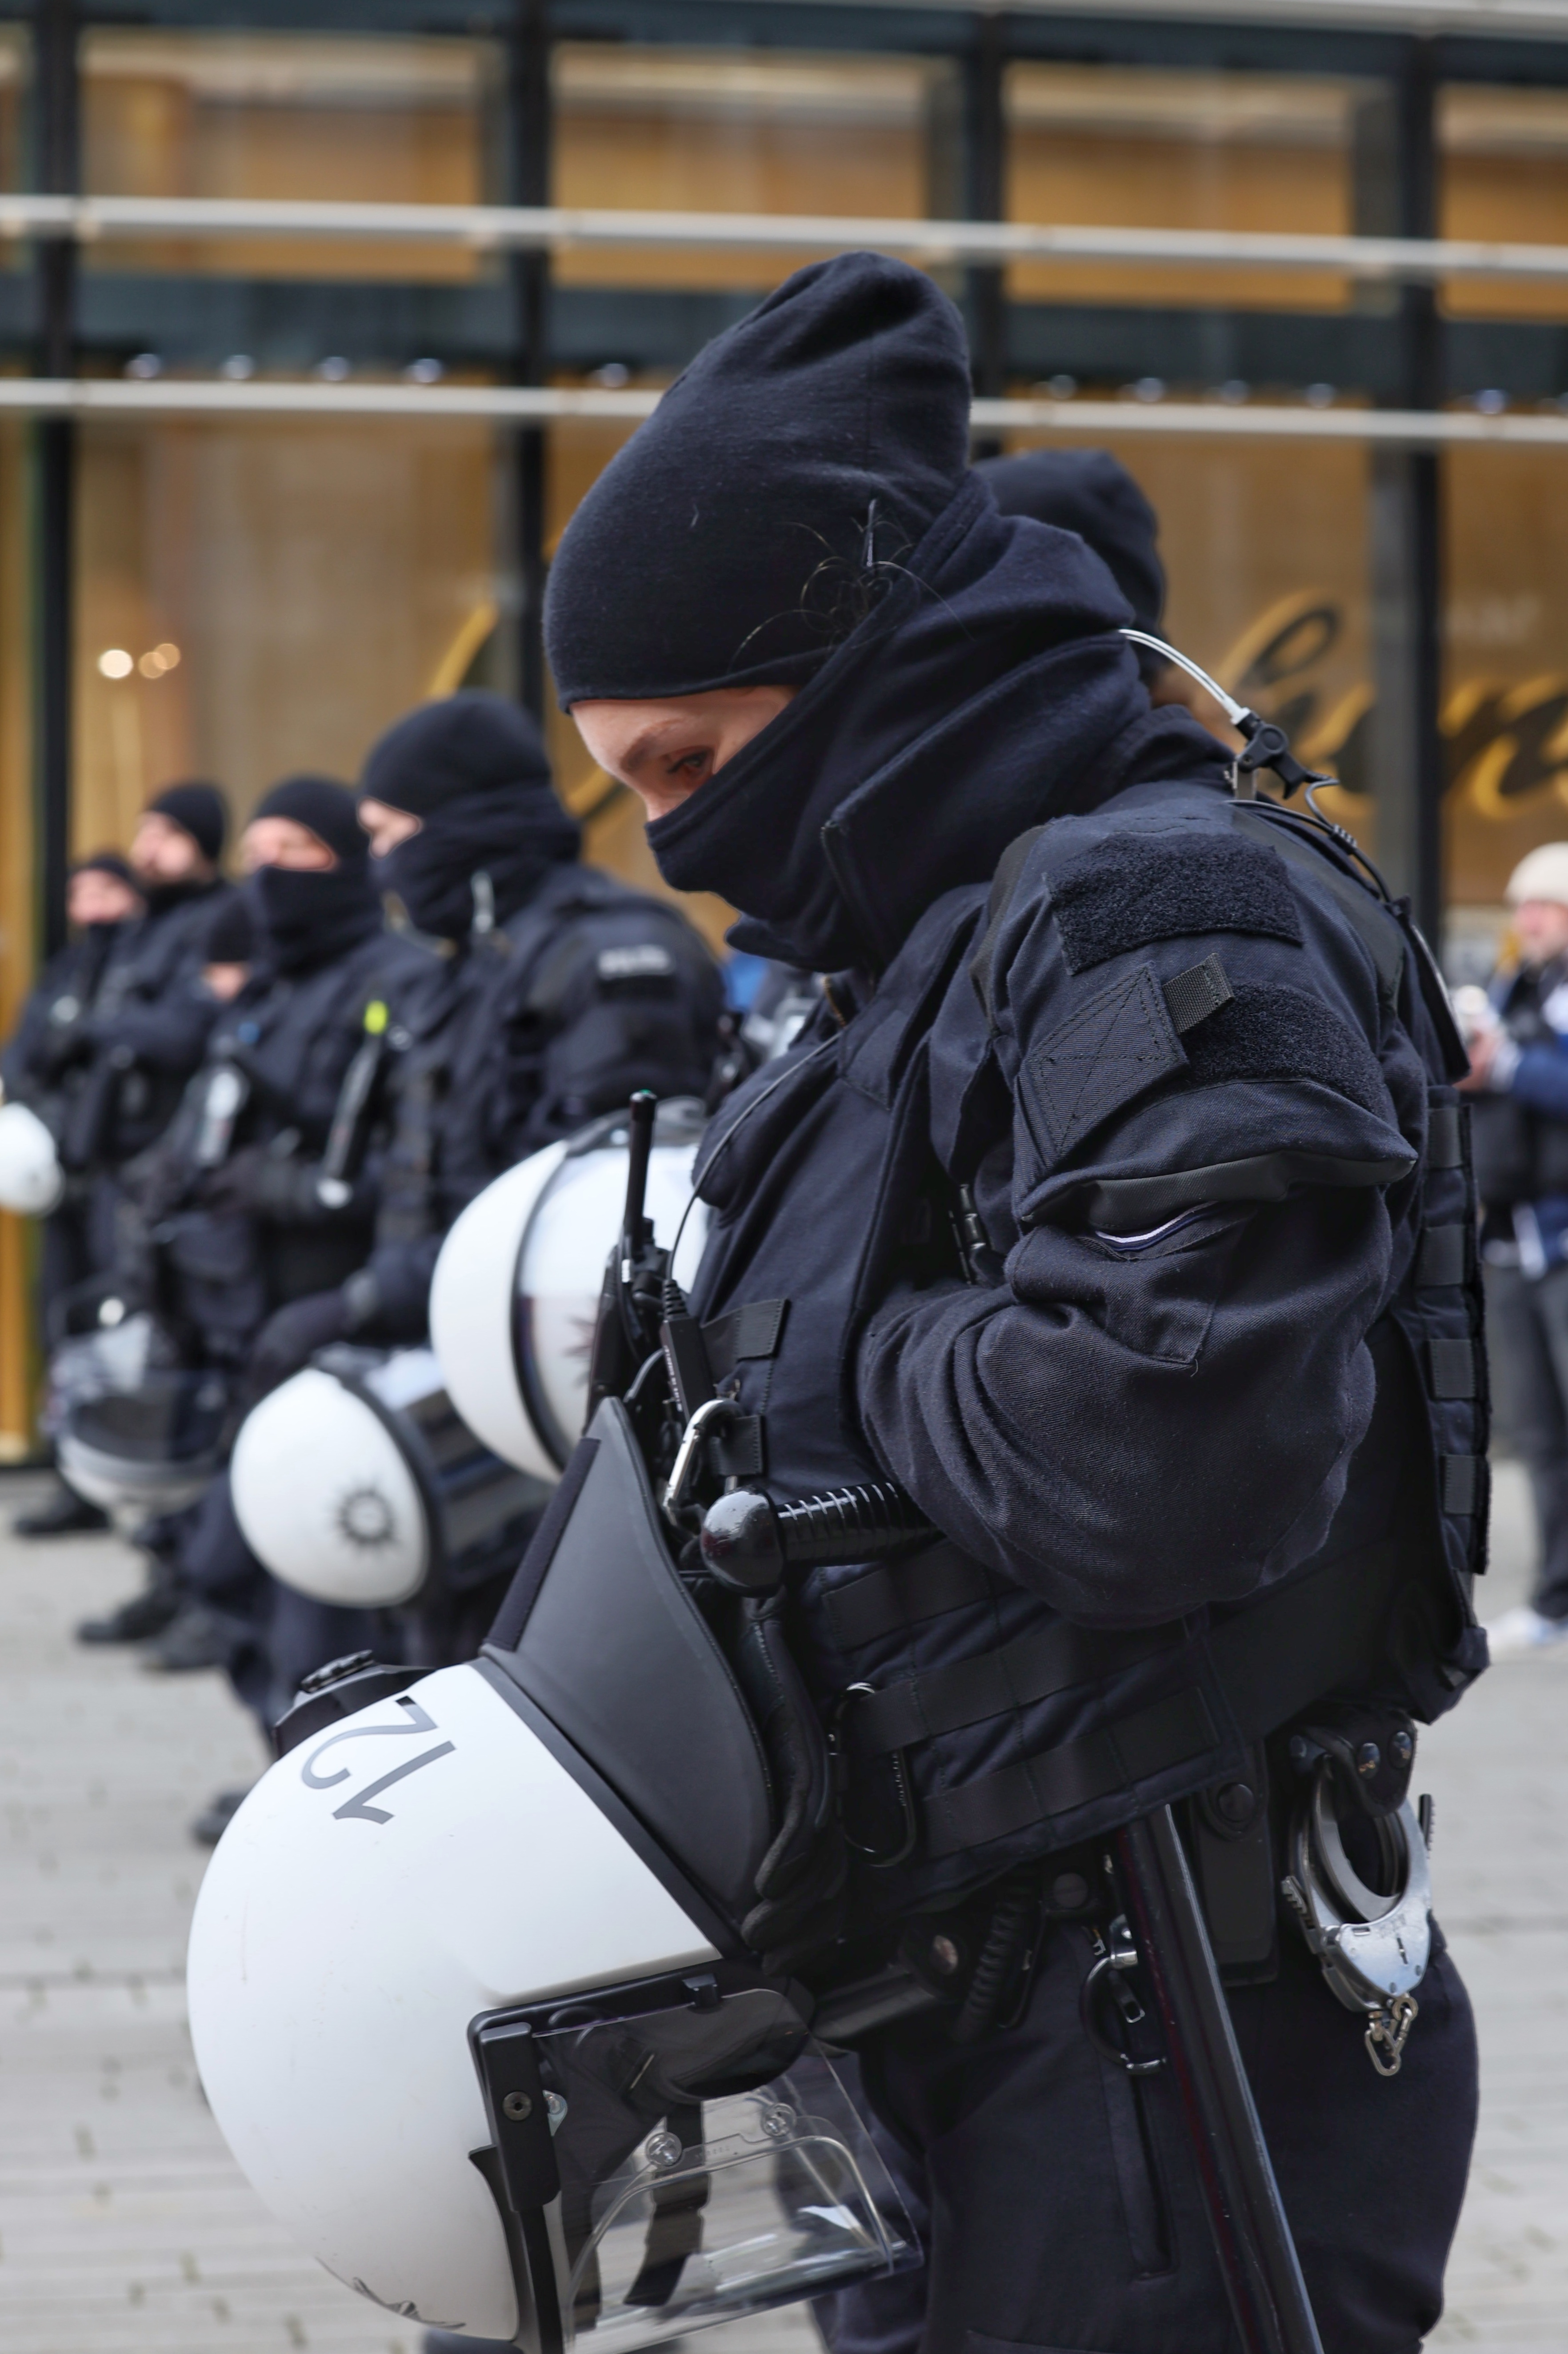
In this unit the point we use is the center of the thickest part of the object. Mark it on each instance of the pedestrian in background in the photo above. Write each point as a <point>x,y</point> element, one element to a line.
<point>1518,1082</point>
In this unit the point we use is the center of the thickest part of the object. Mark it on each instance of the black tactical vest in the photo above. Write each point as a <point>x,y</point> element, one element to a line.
<point>975,1726</point>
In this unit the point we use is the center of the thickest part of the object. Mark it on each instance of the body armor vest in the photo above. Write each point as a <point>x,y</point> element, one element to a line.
<point>975,1726</point>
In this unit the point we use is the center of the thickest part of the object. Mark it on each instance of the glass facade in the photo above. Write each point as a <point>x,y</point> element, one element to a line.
<point>260,555</point>
<point>272,591</point>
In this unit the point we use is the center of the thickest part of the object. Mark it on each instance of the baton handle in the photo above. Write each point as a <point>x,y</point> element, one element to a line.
<point>1252,2232</point>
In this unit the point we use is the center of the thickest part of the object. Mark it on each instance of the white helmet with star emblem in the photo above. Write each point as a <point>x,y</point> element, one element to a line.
<point>356,1483</point>
<point>516,1288</point>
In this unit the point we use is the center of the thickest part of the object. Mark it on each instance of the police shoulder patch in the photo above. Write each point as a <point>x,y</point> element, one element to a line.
<point>1132,888</point>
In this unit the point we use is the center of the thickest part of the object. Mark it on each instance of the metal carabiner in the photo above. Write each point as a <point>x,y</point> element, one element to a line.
<point>875,1860</point>
<point>687,1455</point>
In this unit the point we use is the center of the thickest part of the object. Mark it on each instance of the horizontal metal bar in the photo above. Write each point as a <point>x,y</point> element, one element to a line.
<point>558,229</point>
<point>1399,429</point>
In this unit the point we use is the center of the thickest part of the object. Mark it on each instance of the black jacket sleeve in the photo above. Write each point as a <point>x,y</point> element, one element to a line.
<point>1157,1407</point>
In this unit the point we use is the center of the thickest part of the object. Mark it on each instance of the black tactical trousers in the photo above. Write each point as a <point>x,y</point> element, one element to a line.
<point>1058,2201</point>
<point>1527,1326</point>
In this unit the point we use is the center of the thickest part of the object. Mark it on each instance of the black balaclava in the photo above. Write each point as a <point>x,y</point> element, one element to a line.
<point>106,862</point>
<point>473,769</point>
<point>200,810</point>
<point>985,688</point>
<point>1091,492</point>
<point>311,918</point>
<point>728,542</point>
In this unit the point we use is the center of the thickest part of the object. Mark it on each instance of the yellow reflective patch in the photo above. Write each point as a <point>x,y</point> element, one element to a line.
<point>375,1017</point>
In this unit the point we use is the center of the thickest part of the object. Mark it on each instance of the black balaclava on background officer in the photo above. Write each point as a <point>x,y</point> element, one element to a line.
<point>805,494</point>
<point>474,769</point>
<point>1091,492</point>
<point>310,916</point>
<point>198,810</point>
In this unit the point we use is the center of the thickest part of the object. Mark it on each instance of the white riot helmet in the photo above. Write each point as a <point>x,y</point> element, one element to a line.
<point>134,1432</point>
<point>466,1991</point>
<point>516,1288</point>
<point>356,1483</point>
<point>32,1182</point>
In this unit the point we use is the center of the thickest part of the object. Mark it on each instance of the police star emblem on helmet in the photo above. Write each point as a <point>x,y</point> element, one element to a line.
<point>366,1519</point>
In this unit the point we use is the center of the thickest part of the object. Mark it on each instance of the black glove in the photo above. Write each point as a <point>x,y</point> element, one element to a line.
<point>231,1186</point>
<point>289,1338</point>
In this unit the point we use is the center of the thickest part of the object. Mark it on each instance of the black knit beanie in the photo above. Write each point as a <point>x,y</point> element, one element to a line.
<point>201,810</point>
<point>1091,492</point>
<point>467,743</point>
<point>328,808</point>
<point>106,861</point>
<point>736,538</point>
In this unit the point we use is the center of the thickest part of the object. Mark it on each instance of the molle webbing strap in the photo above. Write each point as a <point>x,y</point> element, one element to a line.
<point>1074,1774</point>
<point>1444,1257</point>
<point>1303,1639</point>
<point>905,1593</point>
<point>752,1331</point>
<point>1453,1369</point>
<point>1463,1483</point>
<point>1444,1140</point>
<point>1046,1660</point>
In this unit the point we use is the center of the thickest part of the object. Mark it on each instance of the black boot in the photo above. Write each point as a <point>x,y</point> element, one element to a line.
<point>63,1514</point>
<point>148,1613</point>
<point>215,1818</point>
<point>197,1637</point>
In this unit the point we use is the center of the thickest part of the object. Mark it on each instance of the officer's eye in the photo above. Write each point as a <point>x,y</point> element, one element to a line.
<point>691,764</point>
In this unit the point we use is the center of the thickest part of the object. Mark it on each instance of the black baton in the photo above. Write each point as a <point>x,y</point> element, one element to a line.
<point>1246,2216</point>
<point>747,1542</point>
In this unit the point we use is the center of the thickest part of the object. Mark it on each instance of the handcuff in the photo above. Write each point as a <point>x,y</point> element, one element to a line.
<point>1374,1949</point>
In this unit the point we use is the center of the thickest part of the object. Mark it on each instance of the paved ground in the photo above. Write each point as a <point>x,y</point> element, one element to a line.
<point>125,2228</point>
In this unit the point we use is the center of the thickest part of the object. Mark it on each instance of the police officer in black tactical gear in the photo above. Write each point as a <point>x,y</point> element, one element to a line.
<point>263,1193</point>
<point>1115,1206</point>
<point>556,993</point>
<point>560,991</point>
<point>44,1066</point>
<point>147,1031</point>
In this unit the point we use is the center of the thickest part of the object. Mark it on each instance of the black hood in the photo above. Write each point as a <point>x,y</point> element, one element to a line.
<point>474,769</point>
<point>726,543</point>
<point>988,690</point>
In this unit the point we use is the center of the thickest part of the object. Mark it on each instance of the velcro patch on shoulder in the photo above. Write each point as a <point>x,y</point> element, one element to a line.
<point>1284,1033</point>
<point>1114,1047</point>
<point>1137,887</point>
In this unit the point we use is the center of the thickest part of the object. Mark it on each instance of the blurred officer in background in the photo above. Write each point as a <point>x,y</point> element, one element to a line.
<point>44,1066</point>
<point>229,949</point>
<point>264,1190</point>
<point>147,1031</point>
<point>558,991</point>
<point>1091,492</point>
<point>1518,1082</point>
